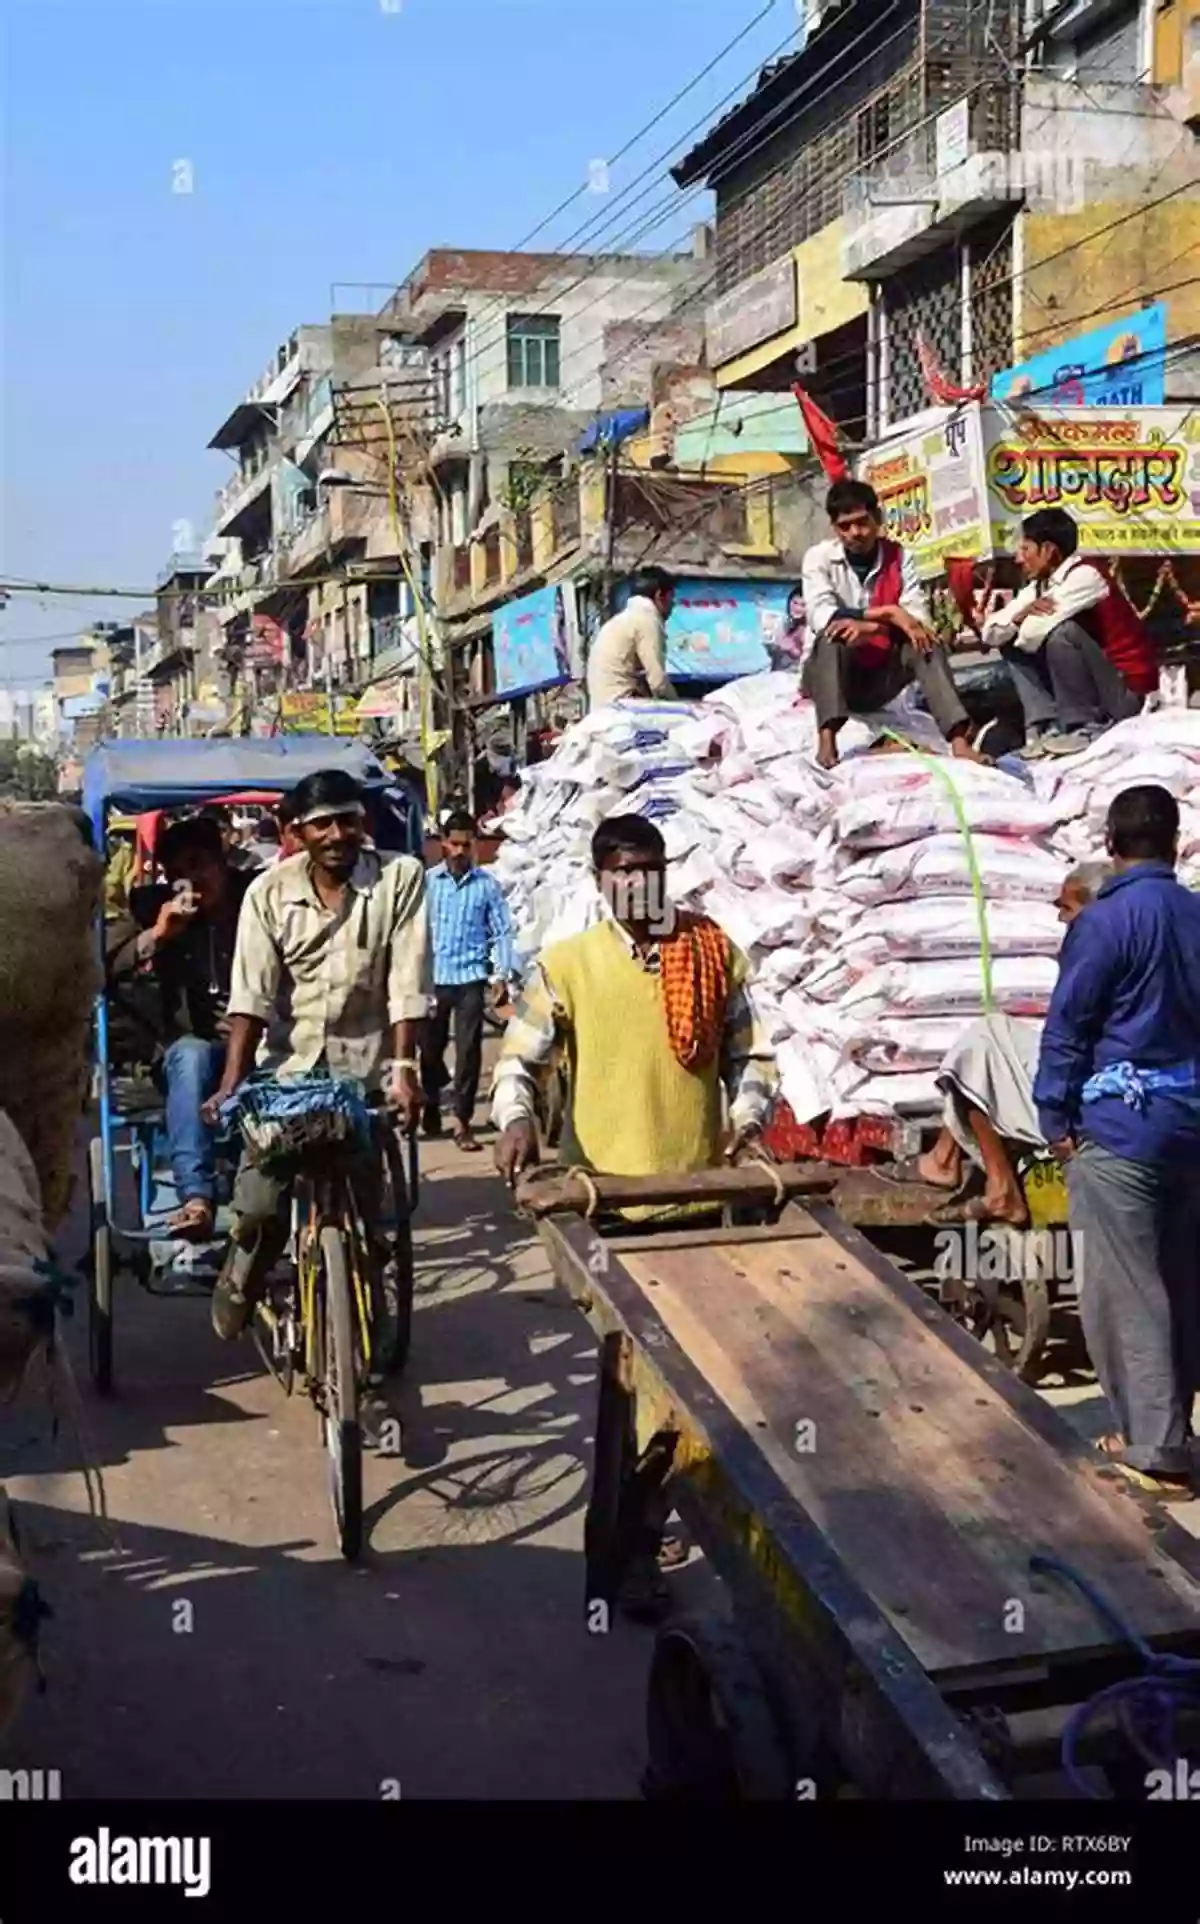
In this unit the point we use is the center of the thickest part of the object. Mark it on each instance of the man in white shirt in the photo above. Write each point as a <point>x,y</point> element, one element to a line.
<point>1070,691</point>
<point>869,627</point>
<point>629,657</point>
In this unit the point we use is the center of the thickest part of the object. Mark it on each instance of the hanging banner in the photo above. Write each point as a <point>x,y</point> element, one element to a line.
<point>1130,478</point>
<point>933,490</point>
<point>536,641</point>
<point>1122,365</point>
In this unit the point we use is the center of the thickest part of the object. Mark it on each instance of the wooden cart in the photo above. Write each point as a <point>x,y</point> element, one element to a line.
<point>871,1486</point>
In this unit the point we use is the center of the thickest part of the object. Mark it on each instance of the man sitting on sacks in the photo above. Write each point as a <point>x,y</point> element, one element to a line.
<point>986,1081</point>
<point>652,1010</point>
<point>181,936</point>
<point>1079,654</point>
<point>869,627</point>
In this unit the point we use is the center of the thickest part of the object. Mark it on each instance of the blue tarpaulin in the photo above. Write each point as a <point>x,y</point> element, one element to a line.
<point>611,429</point>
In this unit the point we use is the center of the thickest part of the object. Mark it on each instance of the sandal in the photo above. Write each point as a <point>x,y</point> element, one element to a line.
<point>464,1140</point>
<point>1168,1489</point>
<point>195,1222</point>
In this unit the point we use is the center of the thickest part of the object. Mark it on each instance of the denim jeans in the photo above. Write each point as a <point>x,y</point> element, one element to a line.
<point>191,1070</point>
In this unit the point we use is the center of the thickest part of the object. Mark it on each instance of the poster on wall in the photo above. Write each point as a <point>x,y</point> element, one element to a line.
<point>721,629</point>
<point>1122,365</point>
<point>932,489</point>
<point>1130,478</point>
<point>536,641</point>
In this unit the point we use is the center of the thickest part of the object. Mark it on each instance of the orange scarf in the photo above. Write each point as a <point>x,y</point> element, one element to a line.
<point>695,970</point>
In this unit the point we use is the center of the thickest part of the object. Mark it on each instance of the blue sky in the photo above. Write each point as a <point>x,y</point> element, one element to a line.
<point>330,141</point>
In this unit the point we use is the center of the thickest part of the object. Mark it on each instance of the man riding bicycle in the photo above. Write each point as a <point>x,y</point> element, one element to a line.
<point>331,973</point>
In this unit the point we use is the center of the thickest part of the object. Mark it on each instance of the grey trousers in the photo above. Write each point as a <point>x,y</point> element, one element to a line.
<point>838,685</point>
<point>1137,1231</point>
<point>1070,680</point>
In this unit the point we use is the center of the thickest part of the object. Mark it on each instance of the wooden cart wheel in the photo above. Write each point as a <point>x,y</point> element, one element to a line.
<point>712,1734</point>
<point>1018,1322</point>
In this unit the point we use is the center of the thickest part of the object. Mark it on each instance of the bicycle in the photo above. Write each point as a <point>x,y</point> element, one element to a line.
<point>342,1315</point>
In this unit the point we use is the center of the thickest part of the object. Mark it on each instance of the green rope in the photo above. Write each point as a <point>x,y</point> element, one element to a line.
<point>938,766</point>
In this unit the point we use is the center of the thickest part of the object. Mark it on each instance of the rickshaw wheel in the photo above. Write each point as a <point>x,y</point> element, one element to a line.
<point>712,1735</point>
<point>1018,1322</point>
<point>100,1274</point>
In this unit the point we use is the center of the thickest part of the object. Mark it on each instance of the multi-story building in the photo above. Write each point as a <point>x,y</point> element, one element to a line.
<point>272,526</point>
<point>970,181</point>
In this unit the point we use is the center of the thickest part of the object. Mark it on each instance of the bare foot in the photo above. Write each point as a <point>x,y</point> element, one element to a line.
<point>938,1172</point>
<point>963,751</point>
<point>1008,1207</point>
<point>827,755</point>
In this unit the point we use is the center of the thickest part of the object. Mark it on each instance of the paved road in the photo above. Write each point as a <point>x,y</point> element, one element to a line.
<point>455,1661</point>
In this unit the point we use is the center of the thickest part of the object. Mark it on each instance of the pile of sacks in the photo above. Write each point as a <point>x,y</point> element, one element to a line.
<point>855,892</point>
<point>49,889</point>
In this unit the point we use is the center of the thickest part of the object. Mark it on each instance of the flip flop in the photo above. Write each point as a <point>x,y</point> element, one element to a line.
<point>1172,1489</point>
<point>468,1145</point>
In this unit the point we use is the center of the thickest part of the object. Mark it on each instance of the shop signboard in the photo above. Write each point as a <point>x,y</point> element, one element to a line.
<point>720,629</point>
<point>308,714</point>
<point>932,489</point>
<point>1130,477</point>
<point>535,641</point>
<point>1122,365</point>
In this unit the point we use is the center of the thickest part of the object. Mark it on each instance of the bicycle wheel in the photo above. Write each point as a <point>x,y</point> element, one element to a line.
<point>339,1403</point>
<point>100,1274</point>
<point>393,1293</point>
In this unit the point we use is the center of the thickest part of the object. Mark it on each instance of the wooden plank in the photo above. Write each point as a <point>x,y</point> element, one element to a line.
<point>831,1655</point>
<point>546,1190</point>
<point>926,1483</point>
<point>747,1236</point>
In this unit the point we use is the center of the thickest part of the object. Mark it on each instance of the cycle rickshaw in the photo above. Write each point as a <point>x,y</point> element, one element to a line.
<point>342,1322</point>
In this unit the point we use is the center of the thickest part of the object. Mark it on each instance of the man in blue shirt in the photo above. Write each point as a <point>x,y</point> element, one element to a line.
<point>1118,1099</point>
<point>471,931</point>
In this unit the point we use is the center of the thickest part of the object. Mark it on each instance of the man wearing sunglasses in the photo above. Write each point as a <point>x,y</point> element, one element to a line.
<point>331,972</point>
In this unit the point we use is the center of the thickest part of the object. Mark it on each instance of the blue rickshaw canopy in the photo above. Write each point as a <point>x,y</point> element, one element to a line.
<point>139,776</point>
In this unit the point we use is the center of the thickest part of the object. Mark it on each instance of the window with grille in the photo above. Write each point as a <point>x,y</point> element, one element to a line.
<point>925,299</point>
<point>533,350</point>
<point>991,300</point>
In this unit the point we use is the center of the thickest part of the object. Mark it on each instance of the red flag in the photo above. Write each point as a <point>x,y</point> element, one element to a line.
<point>960,578</point>
<point>940,387</point>
<point>823,434</point>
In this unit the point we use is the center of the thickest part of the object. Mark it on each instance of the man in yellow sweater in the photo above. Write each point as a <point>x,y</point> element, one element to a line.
<point>653,1014</point>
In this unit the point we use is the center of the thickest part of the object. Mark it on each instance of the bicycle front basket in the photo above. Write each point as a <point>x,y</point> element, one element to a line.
<point>286,1118</point>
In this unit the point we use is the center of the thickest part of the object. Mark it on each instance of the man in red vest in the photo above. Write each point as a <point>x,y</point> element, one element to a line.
<point>1078,652</point>
<point>869,627</point>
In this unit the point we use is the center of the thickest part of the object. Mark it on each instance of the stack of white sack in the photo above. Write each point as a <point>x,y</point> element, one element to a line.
<point>1161,746</point>
<point>854,891</point>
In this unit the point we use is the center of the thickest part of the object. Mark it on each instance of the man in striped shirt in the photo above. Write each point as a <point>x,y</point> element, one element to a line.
<point>472,945</point>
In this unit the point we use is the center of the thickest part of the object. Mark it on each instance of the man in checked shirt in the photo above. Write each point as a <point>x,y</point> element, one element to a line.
<point>670,1067</point>
<point>331,971</point>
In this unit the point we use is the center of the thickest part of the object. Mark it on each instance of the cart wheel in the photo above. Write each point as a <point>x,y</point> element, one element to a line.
<point>712,1734</point>
<point>1018,1322</point>
<point>100,1274</point>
